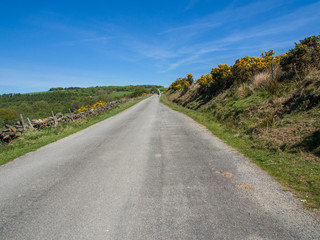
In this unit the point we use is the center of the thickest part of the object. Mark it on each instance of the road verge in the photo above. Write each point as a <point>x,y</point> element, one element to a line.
<point>288,169</point>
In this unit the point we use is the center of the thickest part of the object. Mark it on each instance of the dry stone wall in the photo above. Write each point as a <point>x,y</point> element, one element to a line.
<point>11,132</point>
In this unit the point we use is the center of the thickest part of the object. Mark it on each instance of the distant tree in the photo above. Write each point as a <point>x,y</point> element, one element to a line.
<point>139,91</point>
<point>153,89</point>
<point>56,89</point>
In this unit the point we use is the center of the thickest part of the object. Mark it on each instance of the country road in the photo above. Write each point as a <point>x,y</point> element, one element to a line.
<point>146,173</point>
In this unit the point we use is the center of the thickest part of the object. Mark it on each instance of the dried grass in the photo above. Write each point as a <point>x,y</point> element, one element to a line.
<point>314,74</point>
<point>266,80</point>
<point>244,90</point>
<point>261,80</point>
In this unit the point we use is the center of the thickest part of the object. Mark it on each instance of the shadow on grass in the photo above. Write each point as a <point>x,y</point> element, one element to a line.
<point>311,143</point>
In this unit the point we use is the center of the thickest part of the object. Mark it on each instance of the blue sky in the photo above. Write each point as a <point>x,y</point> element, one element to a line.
<point>67,43</point>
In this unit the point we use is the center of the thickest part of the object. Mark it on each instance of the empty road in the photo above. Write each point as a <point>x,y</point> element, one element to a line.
<point>146,173</point>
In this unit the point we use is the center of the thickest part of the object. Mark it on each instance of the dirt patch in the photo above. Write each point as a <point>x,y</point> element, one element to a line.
<point>246,187</point>
<point>225,174</point>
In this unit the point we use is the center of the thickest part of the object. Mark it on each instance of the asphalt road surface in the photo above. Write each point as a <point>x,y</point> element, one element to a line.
<point>147,173</point>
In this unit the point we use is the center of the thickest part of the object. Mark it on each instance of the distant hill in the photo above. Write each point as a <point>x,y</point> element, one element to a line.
<point>40,104</point>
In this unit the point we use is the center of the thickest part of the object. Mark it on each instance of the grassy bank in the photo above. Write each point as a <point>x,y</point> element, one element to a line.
<point>294,170</point>
<point>32,140</point>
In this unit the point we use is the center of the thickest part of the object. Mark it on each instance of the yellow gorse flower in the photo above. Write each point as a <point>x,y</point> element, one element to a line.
<point>181,83</point>
<point>96,105</point>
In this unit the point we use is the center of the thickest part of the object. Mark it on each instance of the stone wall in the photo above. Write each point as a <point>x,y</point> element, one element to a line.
<point>11,132</point>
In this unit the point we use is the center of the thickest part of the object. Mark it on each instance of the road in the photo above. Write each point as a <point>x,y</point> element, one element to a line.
<point>146,173</point>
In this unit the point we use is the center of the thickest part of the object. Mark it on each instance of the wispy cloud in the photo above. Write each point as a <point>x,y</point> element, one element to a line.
<point>286,23</point>
<point>191,43</point>
<point>191,59</point>
<point>225,16</point>
<point>239,38</point>
<point>93,40</point>
<point>192,27</point>
<point>77,34</point>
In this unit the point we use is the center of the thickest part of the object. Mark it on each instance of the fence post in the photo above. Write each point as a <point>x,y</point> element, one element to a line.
<point>54,119</point>
<point>70,114</point>
<point>30,124</point>
<point>22,122</point>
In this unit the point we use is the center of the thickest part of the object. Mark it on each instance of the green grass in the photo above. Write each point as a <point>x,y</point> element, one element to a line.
<point>245,103</point>
<point>32,140</point>
<point>292,170</point>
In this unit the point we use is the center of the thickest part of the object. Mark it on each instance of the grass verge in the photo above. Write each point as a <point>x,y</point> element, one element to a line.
<point>293,171</point>
<point>32,140</point>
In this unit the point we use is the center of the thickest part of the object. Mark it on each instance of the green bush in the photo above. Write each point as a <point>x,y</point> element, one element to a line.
<point>8,116</point>
<point>303,58</point>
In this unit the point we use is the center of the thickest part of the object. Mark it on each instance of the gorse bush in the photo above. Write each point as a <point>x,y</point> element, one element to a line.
<point>222,75</point>
<point>219,79</point>
<point>182,83</point>
<point>81,109</point>
<point>96,105</point>
<point>299,61</point>
<point>304,57</point>
<point>245,68</point>
<point>205,81</point>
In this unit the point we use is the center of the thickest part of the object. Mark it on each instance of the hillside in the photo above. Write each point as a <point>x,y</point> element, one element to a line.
<point>64,100</point>
<point>272,106</point>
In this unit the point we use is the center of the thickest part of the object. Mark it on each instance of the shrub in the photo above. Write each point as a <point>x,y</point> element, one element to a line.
<point>205,81</point>
<point>223,76</point>
<point>304,57</point>
<point>182,83</point>
<point>8,115</point>
<point>245,68</point>
<point>219,79</point>
<point>82,109</point>
<point>98,104</point>
<point>138,92</point>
